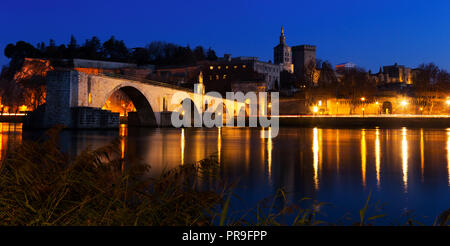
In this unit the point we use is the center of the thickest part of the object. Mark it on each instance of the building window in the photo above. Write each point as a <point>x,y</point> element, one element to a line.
<point>235,67</point>
<point>226,67</point>
<point>217,77</point>
<point>243,66</point>
<point>219,67</point>
<point>211,68</point>
<point>224,76</point>
<point>164,103</point>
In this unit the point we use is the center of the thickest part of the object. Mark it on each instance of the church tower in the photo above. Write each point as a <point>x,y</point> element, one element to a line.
<point>282,54</point>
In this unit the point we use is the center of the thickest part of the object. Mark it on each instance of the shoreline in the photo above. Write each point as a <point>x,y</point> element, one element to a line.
<point>333,121</point>
<point>352,121</point>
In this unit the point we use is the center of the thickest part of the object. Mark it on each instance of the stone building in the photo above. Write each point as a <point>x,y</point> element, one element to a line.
<point>304,59</point>
<point>394,74</point>
<point>282,54</point>
<point>185,76</point>
<point>219,75</point>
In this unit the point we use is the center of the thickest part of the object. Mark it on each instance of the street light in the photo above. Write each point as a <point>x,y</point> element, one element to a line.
<point>362,100</point>
<point>315,109</point>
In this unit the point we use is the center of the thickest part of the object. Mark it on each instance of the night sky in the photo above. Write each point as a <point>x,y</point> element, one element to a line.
<point>368,33</point>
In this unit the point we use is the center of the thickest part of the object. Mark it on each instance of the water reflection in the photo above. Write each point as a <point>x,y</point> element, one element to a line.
<point>448,155</point>
<point>269,152</point>
<point>316,156</point>
<point>422,156</point>
<point>337,151</point>
<point>182,144</point>
<point>363,157</point>
<point>10,135</point>
<point>123,133</point>
<point>340,166</point>
<point>219,144</point>
<point>377,156</point>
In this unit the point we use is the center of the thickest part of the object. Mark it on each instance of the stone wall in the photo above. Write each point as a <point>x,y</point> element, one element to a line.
<point>58,99</point>
<point>85,118</point>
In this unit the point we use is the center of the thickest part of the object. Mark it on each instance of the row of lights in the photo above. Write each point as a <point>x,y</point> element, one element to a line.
<point>363,99</point>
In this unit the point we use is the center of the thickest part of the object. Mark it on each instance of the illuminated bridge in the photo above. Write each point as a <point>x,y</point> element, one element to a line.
<point>75,99</point>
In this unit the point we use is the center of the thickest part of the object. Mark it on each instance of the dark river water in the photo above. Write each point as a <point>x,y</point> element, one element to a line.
<point>406,171</point>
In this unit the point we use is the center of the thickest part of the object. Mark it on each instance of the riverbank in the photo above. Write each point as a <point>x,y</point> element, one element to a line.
<point>331,121</point>
<point>356,121</point>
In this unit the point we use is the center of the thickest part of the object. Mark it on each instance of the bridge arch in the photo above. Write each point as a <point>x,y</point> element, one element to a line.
<point>144,115</point>
<point>187,105</point>
<point>387,107</point>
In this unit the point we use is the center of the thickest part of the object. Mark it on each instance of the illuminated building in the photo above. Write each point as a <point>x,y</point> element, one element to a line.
<point>394,74</point>
<point>303,58</point>
<point>221,74</point>
<point>282,54</point>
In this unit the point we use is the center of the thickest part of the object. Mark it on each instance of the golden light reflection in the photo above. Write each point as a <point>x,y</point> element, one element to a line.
<point>448,155</point>
<point>219,144</point>
<point>182,145</point>
<point>1,141</point>
<point>422,155</point>
<point>405,159</point>
<point>269,152</point>
<point>337,151</point>
<point>377,155</point>
<point>363,156</point>
<point>263,144</point>
<point>316,157</point>
<point>122,134</point>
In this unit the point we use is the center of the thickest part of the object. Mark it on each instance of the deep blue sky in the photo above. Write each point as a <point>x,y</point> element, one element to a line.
<point>368,33</point>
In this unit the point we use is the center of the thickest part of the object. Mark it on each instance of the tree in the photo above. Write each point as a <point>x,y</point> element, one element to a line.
<point>199,53</point>
<point>140,56</point>
<point>115,50</point>
<point>92,49</point>
<point>356,84</point>
<point>211,55</point>
<point>11,94</point>
<point>426,76</point>
<point>327,76</point>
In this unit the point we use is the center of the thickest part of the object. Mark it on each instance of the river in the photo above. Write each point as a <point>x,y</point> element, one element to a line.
<point>406,171</point>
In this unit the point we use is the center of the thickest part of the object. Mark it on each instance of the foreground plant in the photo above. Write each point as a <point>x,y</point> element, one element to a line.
<point>40,185</point>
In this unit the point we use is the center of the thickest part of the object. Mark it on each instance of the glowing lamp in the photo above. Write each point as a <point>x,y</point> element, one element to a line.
<point>404,103</point>
<point>315,109</point>
<point>363,99</point>
<point>23,108</point>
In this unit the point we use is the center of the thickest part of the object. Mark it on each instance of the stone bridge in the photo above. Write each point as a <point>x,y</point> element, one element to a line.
<point>75,99</point>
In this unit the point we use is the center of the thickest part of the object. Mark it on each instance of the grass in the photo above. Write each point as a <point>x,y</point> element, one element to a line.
<point>40,185</point>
